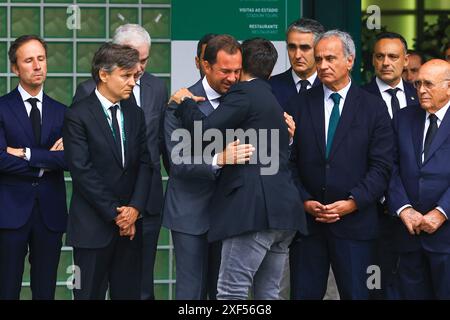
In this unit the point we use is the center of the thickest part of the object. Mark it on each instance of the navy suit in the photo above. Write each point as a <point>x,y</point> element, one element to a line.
<point>284,88</point>
<point>425,186</point>
<point>387,258</point>
<point>33,209</point>
<point>358,166</point>
<point>153,96</point>
<point>186,213</point>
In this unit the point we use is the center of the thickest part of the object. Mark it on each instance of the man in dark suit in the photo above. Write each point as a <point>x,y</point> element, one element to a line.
<point>149,93</point>
<point>419,191</point>
<point>302,74</point>
<point>255,208</point>
<point>192,183</point>
<point>389,59</point>
<point>343,147</point>
<point>107,155</point>
<point>33,211</point>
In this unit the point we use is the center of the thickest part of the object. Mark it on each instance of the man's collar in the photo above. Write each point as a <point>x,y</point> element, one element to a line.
<point>383,86</point>
<point>25,95</point>
<point>211,94</point>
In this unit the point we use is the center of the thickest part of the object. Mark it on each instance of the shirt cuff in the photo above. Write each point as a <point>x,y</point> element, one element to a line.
<point>442,211</point>
<point>402,208</point>
<point>214,164</point>
<point>41,173</point>
<point>27,154</point>
<point>291,141</point>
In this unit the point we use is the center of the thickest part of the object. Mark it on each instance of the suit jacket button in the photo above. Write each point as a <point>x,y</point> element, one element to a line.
<point>323,188</point>
<point>35,184</point>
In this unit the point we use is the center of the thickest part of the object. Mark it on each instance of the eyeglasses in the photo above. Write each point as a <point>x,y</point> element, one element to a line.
<point>427,84</point>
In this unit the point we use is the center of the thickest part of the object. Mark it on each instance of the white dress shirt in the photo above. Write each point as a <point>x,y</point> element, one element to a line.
<point>106,104</point>
<point>329,104</point>
<point>401,96</point>
<point>212,95</point>
<point>297,80</point>
<point>137,92</point>
<point>25,96</point>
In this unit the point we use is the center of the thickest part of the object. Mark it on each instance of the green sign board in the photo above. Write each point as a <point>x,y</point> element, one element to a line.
<point>241,18</point>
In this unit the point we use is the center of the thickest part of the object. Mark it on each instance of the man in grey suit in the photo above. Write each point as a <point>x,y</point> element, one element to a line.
<point>150,94</point>
<point>192,180</point>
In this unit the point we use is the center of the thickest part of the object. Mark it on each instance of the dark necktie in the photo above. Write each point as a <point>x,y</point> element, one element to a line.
<point>35,118</point>
<point>431,133</point>
<point>395,104</point>
<point>115,128</point>
<point>334,121</point>
<point>303,85</point>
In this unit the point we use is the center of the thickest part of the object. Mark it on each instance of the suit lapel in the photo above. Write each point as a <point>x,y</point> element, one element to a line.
<point>418,126</point>
<point>205,106</point>
<point>18,109</point>
<point>410,93</point>
<point>127,128</point>
<point>317,82</point>
<point>146,93</point>
<point>47,119</point>
<point>441,135</point>
<point>348,114</point>
<point>100,117</point>
<point>317,111</point>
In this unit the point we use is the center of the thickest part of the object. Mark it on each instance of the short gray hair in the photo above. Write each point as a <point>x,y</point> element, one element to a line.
<point>346,39</point>
<point>305,25</point>
<point>131,34</point>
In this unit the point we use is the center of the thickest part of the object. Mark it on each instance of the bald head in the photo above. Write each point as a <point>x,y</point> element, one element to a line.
<point>433,85</point>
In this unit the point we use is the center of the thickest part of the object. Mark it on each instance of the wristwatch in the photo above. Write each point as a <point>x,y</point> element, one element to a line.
<point>24,153</point>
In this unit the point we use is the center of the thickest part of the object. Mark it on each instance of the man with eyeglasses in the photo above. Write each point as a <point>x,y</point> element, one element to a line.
<point>389,59</point>
<point>419,189</point>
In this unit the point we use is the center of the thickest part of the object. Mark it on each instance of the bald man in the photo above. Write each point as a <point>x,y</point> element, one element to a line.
<point>419,189</point>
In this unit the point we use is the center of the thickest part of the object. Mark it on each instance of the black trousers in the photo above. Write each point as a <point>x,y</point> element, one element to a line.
<point>117,266</point>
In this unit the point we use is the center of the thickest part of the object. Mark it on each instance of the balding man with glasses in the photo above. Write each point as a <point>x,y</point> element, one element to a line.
<point>419,189</point>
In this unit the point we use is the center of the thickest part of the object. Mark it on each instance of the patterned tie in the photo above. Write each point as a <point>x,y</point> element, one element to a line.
<point>431,133</point>
<point>395,104</point>
<point>35,118</point>
<point>303,85</point>
<point>334,121</point>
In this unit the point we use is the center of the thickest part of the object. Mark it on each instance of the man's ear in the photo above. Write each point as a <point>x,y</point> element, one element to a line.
<point>197,62</point>
<point>103,75</point>
<point>15,69</point>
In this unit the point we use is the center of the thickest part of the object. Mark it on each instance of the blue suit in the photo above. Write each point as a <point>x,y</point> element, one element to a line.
<point>425,186</point>
<point>358,166</point>
<point>283,87</point>
<point>32,208</point>
<point>387,258</point>
<point>187,214</point>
